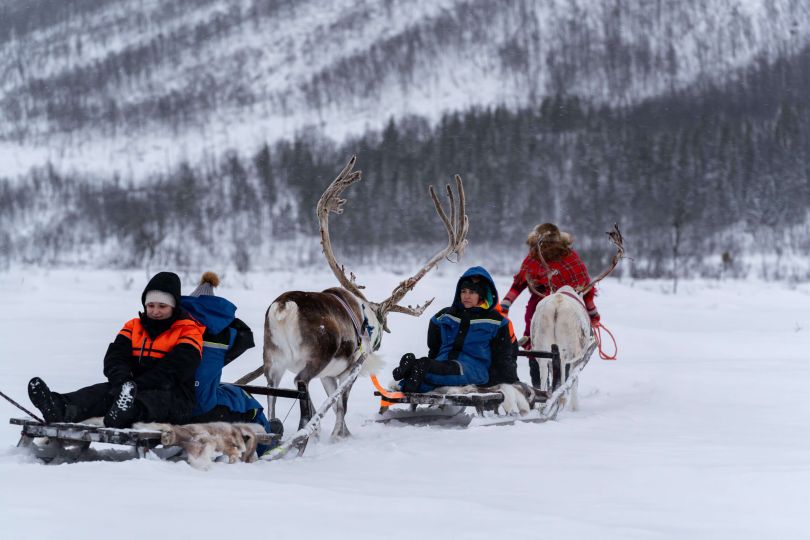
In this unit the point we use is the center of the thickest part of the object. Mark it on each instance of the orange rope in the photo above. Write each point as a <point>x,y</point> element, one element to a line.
<point>597,334</point>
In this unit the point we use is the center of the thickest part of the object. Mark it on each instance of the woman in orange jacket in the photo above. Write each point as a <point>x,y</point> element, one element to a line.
<point>149,367</point>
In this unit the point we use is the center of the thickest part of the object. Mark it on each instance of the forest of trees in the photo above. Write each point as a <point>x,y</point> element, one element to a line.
<point>696,180</point>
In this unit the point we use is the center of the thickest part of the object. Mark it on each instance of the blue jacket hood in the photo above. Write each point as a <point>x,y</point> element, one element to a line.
<point>215,312</point>
<point>481,272</point>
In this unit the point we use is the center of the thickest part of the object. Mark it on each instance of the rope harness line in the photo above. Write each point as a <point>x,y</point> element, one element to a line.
<point>597,331</point>
<point>358,328</point>
<point>597,334</point>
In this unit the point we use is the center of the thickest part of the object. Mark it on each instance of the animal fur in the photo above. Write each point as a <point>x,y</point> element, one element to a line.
<point>204,442</point>
<point>310,334</point>
<point>518,398</point>
<point>561,320</point>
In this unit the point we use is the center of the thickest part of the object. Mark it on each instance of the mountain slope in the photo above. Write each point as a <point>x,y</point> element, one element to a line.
<point>137,86</point>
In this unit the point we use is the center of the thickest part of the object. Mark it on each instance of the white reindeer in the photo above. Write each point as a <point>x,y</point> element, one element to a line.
<point>562,319</point>
<point>322,334</point>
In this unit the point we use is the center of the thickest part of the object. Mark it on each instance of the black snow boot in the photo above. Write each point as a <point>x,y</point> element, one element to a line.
<point>405,364</point>
<point>124,411</point>
<point>51,404</point>
<point>416,375</point>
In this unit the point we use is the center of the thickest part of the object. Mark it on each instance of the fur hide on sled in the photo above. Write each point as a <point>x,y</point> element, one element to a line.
<point>204,442</point>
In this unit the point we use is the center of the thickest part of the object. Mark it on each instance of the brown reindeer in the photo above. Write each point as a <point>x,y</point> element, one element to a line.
<point>323,334</point>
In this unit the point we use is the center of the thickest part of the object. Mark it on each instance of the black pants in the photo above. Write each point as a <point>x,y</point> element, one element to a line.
<point>414,373</point>
<point>153,405</point>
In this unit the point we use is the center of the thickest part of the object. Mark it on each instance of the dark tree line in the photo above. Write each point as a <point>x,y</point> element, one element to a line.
<point>698,180</point>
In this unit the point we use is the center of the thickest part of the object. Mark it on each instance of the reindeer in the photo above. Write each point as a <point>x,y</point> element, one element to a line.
<point>562,319</point>
<point>323,334</point>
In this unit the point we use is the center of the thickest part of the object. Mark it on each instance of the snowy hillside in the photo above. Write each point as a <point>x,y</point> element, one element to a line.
<point>697,431</point>
<point>138,86</point>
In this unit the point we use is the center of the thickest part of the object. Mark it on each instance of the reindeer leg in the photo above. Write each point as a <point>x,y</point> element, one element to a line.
<point>274,375</point>
<point>344,407</point>
<point>330,384</point>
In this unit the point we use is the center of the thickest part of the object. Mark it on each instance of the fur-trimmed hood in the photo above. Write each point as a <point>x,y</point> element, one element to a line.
<point>555,244</point>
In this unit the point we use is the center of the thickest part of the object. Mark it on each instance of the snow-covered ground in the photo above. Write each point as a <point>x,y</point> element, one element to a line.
<point>698,431</point>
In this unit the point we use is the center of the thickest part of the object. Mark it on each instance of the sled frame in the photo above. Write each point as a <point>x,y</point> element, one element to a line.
<point>548,403</point>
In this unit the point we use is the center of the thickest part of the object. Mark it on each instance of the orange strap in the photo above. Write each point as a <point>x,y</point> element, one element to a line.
<point>385,393</point>
<point>597,334</point>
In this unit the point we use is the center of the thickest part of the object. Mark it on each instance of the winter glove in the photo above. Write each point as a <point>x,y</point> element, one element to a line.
<point>416,375</point>
<point>407,361</point>
<point>595,318</point>
<point>526,343</point>
<point>114,390</point>
<point>505,305</point>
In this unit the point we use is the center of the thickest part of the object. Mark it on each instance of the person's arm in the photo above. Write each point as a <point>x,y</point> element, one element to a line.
<point>118,360</point>
<point>178,365</point>
<point>434,339</point>
<point>591,306</point>
<point>504,357</point>
<point>519,284</point>
<point>241,342</point>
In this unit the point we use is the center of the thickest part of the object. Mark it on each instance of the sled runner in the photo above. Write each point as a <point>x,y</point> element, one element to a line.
<point>450,409</point>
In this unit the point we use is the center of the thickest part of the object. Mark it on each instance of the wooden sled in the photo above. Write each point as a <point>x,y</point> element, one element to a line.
<point>69,442</point>
<point>450,408</point>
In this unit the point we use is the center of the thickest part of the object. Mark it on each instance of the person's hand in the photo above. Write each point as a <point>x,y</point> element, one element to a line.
<point>405,364</point>
<point>595,318</point>
<point>505,305</point>
<point>526,343</point>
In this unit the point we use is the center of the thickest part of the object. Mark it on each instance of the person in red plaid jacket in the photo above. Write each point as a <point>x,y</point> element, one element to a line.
<point>557,252</point>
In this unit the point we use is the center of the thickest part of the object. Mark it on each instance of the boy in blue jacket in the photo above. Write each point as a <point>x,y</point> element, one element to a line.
<point>469,342</point>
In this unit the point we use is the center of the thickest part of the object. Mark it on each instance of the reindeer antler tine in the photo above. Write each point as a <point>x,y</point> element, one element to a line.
<point>452,200</point>
<point>461,204</point>
<point>456,229</point>
<point>442,214</point>
<point>330,201</point>
<point>617,239</point>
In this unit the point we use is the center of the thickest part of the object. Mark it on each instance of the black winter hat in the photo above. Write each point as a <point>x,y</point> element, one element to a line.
<point>167,282</point>
<point>480,285</point>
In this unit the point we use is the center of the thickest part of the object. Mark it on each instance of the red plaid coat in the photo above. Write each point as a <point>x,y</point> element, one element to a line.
<point>570,271</point>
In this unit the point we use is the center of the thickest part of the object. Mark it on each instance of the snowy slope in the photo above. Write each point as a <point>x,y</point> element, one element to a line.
<point>137,86</point>
<point>698,431</point>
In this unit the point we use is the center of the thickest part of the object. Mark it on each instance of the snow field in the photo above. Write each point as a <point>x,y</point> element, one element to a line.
<point>699,430</point>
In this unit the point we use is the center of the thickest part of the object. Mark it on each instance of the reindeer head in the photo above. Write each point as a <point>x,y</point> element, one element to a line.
<point>376,313</point>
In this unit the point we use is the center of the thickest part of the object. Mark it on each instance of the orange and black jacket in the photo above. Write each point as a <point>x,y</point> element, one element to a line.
<point>156,356</point>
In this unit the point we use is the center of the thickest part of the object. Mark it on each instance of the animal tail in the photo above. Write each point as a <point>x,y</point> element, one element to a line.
<point>285,336</point>
<point>374,364</point>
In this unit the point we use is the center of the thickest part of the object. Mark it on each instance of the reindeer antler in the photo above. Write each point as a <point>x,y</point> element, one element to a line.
<point>618,240</point>
<point>330,201</point>
<point>456,226</point>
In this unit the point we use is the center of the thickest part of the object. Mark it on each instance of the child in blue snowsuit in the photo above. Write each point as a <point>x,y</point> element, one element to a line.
<point>469,342</point>
<point>225,338</point>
